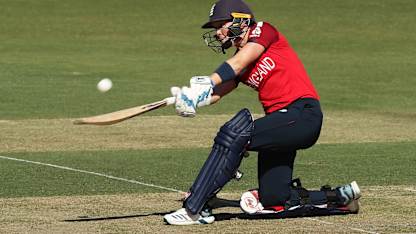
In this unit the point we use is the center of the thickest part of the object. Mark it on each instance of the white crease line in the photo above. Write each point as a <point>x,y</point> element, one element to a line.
<point>333,224</point>
<point>93,173</point>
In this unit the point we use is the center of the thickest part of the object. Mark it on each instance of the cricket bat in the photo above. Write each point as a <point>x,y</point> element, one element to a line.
<point>121,115</point>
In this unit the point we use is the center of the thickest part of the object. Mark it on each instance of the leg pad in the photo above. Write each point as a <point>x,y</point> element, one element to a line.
<point>223,161</point>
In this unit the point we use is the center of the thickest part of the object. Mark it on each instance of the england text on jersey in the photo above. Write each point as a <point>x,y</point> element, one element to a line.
<point>264,67</point>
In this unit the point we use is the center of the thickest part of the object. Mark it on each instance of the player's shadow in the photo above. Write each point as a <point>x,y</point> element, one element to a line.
<point>218,217</point>
<point>101,218</point>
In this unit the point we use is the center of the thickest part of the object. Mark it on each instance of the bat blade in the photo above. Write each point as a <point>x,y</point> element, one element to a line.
<point>121,115</point>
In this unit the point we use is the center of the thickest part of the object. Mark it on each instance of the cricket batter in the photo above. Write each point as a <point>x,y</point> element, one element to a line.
<point>265,61</point>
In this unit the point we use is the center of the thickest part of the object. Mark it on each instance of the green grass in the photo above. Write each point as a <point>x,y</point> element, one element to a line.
<point>360,55</point>
<point>369,164</point>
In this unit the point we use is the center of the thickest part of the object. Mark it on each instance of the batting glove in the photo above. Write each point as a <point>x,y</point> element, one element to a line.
<point>189,98</point>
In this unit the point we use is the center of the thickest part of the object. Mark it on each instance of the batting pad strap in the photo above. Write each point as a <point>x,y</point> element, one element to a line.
<point>223,161</point>
<point>226,72</point>
<point>302,192</point>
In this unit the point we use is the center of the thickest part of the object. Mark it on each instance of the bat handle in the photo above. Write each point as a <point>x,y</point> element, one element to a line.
<point>170,100</point>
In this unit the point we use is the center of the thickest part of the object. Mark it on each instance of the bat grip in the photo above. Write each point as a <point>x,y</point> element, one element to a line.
<point>170,100</point>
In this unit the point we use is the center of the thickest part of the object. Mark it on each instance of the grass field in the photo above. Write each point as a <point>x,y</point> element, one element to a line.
<point>360,55</point>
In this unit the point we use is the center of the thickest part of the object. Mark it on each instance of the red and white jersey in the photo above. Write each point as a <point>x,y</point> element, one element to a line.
<point>278,75</point>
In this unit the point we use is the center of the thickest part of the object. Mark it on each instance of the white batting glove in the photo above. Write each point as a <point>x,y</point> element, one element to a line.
<point>203,88</point>
<point>183,103</point>
<point>189,98</point>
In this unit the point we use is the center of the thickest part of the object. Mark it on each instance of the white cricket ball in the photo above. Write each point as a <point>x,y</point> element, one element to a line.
<point>104,85</point>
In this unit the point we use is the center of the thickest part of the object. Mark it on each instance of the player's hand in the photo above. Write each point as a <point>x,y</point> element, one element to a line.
<point>189,98</point>
<point>184,104</point>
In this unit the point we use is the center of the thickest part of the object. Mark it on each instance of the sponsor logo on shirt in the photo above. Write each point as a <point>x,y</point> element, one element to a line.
<point>257,31</point>
<point>263,68</point>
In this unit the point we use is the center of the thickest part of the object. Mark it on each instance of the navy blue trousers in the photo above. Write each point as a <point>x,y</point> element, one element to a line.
<point>276,138</point>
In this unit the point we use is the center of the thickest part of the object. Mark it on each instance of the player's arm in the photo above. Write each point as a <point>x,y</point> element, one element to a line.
<point>222,89</point>
<point>235,65</point>
<point>224,77</point>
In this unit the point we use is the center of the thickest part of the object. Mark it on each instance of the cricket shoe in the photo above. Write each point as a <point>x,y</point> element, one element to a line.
<point>182,217</point>
<point>349,192</point>
<point>251,204</point>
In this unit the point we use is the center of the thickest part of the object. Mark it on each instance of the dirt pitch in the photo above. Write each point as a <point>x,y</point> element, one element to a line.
<point>142,213</point>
